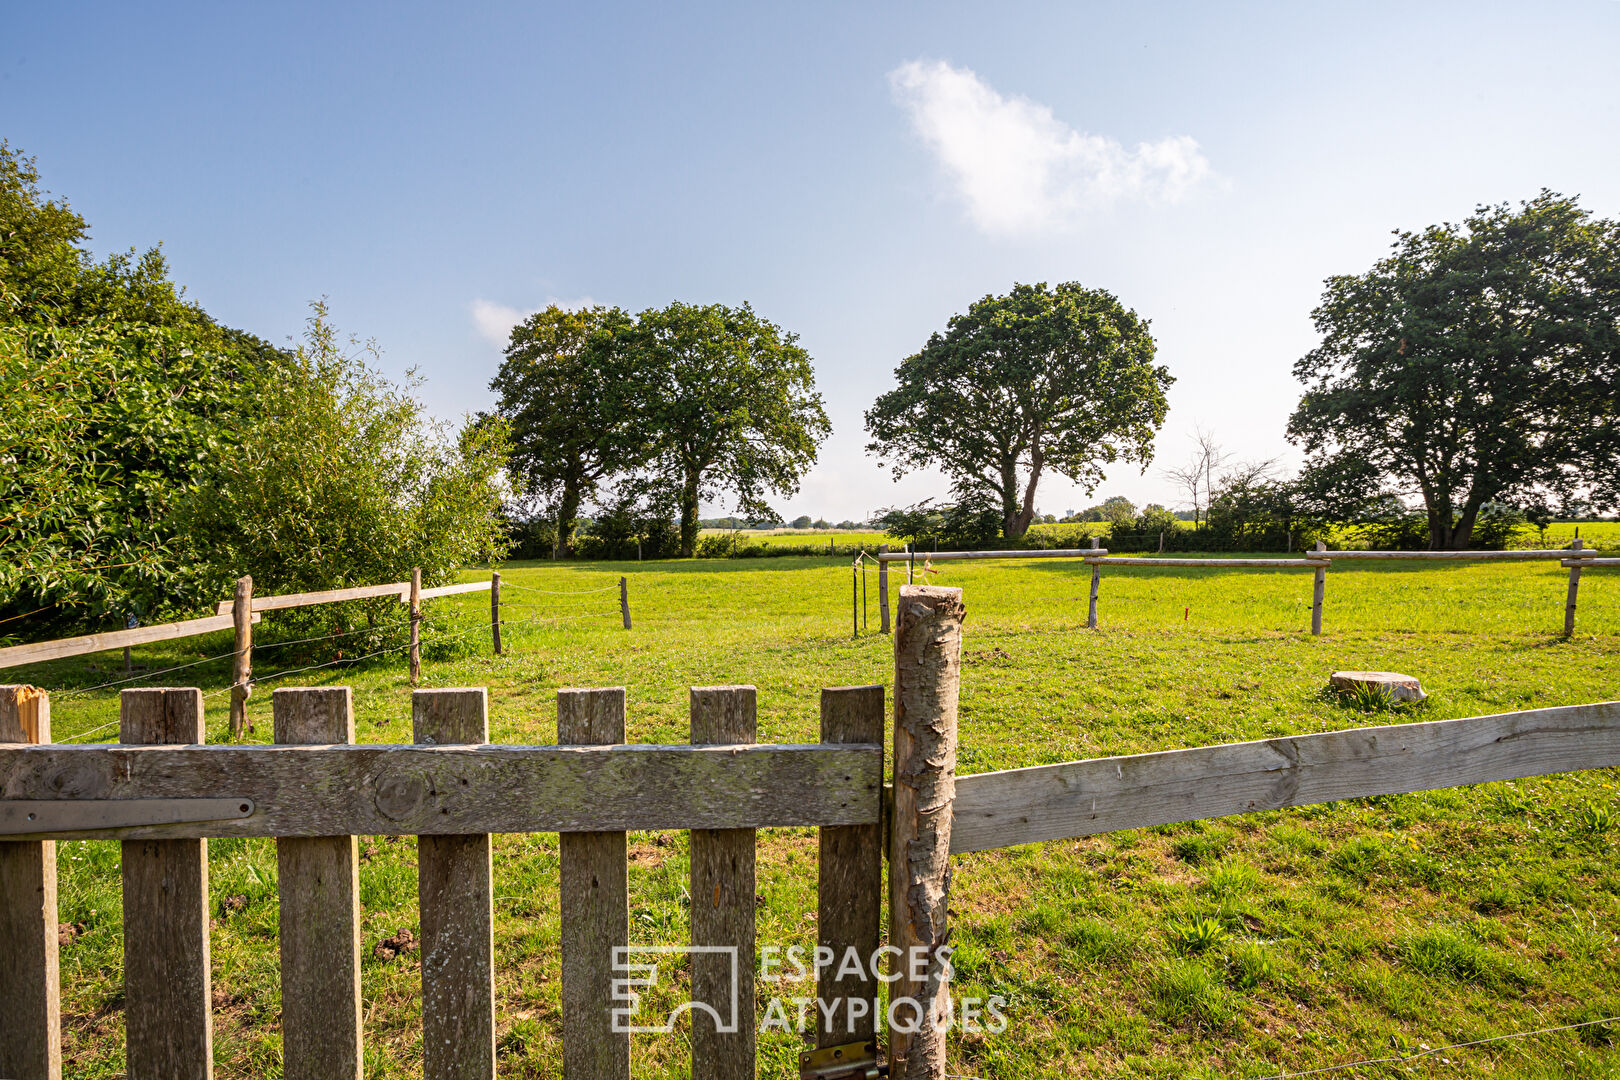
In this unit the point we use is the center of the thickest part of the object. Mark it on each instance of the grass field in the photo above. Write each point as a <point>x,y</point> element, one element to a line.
<point>1236,948</point>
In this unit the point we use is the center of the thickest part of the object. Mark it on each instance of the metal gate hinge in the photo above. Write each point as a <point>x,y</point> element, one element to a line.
<point>27,817</point>
<point>852,1061</point>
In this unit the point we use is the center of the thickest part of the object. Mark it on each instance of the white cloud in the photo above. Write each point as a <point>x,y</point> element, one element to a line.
<point>494,321</point>
<point>1019,168</point>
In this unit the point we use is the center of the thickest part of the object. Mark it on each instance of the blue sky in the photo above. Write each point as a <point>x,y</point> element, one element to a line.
<point>858,173</point>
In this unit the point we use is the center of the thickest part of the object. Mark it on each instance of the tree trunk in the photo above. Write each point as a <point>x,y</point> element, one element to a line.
<point>689,517</point>
<point>1462,534</point>
<point>567,516</point>
<point>1009,501</point>
<point>1026,513</point>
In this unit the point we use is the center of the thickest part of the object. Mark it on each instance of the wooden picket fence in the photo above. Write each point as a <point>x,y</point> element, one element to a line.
<point>163,793</point>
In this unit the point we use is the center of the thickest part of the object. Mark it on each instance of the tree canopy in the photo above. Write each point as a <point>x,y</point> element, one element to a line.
<point>1042,379</point>
<point>1477,362</point>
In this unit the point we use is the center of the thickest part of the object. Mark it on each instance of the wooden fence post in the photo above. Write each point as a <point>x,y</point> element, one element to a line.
<point>495,610</point>
<point>454,879</point>
<point>242,667</point>
<point>30,978</point>
<point>855,598</point>
<point>168,998</point>
<point>850,885</point>
<point>722,890</point>
<point>927,685</point>
<point>883,589</point>
<point>318,880</point>
<point>1574,590</point>
<point>416,625</point>
<point>1318,589</point>
<point>595,907</point>
<point>624,602</point>
<point>1091,609</point>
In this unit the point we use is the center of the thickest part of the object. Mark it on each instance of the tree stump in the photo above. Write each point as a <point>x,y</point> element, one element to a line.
<point>1397,686</point>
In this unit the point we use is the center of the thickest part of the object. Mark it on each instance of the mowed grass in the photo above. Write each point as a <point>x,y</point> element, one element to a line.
<point>1243,947</point>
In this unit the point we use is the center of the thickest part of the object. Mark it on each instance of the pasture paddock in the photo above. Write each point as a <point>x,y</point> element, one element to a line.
<point>1349,928</point>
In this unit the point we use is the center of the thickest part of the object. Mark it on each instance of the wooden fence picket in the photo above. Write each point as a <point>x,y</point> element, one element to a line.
<point>456,897</point>
<point>722,889</point>
<point>168,995</point>
<point>849,896</point>
<point>30,977</point>
<point>595,906</point>
<point>318,879</point>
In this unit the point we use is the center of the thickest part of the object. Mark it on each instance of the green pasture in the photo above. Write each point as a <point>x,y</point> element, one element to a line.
<point>1243,947</point>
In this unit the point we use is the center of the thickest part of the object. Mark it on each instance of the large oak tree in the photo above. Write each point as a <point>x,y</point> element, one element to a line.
<point>1477,362</point>
<point>1040,380</point>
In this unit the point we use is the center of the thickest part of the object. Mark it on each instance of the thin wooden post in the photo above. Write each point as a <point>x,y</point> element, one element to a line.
<point>860,561</point>
<point>1574,591</point>
<point>495,610</point>
<point>855,599</point>
<point>911,563</point>
<point>30,976</point>
<point>1318,590</point>
<point>722,890</point>
<point>168,993</point>
<point>927,686</point>
<point>456,897</point>
<point>242,667</point>
<point>883,589</point>
<point>318,880</point>
<point>849,896</point>
<point>595,907</point>
<point>1091,610</point>
<point>416,625</point>
<point>624,600</point>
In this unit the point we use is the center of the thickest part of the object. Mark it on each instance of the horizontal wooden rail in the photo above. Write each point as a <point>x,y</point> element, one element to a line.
<point>1526,555</point>
<point>448,790</point>
<point>1588,564</point>
<point>17,655</point>
<point>1082,798</point>
<point>452,590</point>
<point>402,590</point>
<point>952,556</point>
<point>1268,564</point>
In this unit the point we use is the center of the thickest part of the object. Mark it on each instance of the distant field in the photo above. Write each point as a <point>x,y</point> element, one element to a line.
<point>1348,931</point>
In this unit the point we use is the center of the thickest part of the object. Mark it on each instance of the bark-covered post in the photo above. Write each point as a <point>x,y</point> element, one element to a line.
<point>416,624</point>
<point>1317,592</point>
<point>883,589</point>
<point>624,600</point>
<point>855,598</point>
<point>242,668</point>
<point>1091,609</point>
<point>1574,590</point>
<point>927,685</point>
<point>30,979</point>
<point>495,610</point>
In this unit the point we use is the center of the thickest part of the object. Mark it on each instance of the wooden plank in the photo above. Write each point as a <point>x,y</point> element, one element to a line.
<point>927,687</point>
<point>399,589</point>
<point>1081,798</point>
<point>454,590</point>
<point>595,907</point>
<point>242,663</point>
<point>456,895</point>
<point>17,655</point>
<point>318,879</point>
<point>168,1025</point>
<point>446,790</point>
<point>1033,553</point>
<point>1526,555</point>
<point>722,890</point>
<point>1590,564</point>
<point>30,975</point>
<point>849,891</point>
<point>1219,564</point>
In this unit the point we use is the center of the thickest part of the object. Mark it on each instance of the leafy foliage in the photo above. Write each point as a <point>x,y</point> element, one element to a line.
<point>1060,379</point>
<point>1477,362</point>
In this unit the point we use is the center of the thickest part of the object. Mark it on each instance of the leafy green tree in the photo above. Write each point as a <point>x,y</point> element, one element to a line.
<point>1477,362</point>
<point>575,404</point>
<point>1058,379</point>
<point>730,406</point>
<point>346,481</point>
<point>1117,508</point>
<point>803,521</point>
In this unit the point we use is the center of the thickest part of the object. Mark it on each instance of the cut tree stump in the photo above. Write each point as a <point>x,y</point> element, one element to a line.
<point>1399,687</point>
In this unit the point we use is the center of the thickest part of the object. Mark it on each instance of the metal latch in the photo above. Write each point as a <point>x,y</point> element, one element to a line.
<point>852,1061</point>
<point>21,817</point>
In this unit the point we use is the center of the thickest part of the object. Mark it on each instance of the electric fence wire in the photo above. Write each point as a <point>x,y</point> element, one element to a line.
<point>552,592</point>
